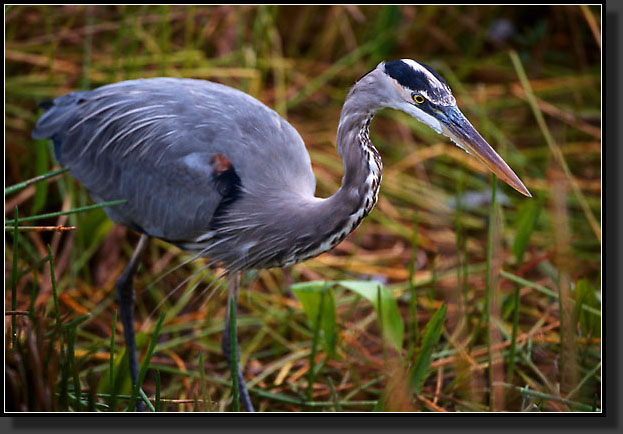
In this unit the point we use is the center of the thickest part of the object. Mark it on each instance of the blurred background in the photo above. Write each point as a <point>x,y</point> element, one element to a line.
<point>498,297</point>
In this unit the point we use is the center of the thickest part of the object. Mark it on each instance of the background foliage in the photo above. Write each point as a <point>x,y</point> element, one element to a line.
<point>498,301</point>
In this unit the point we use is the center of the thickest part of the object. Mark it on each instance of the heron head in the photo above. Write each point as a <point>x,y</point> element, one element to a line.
<point>419,91</point>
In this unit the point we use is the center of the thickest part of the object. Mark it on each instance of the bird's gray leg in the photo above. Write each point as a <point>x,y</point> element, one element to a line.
<point>234,283</point>
<point>125,298</point>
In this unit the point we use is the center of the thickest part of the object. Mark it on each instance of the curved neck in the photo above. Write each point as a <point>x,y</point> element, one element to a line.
<point>285,228</point>
<point>362,162</point>
<point>341,213</point>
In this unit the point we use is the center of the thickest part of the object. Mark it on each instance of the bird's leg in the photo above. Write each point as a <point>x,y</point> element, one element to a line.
<point>232,292</point>
<point>125,298</point>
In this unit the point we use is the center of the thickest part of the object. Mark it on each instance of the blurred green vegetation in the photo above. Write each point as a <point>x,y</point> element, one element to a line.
<point>518,281</point>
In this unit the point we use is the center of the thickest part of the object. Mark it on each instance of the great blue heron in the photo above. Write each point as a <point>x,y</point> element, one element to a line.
<point>214,171</point>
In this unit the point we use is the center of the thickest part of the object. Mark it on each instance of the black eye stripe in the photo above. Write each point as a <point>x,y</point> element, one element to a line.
<point>425,81</point>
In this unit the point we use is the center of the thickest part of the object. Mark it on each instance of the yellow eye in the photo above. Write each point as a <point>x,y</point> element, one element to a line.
<point>418,98</point>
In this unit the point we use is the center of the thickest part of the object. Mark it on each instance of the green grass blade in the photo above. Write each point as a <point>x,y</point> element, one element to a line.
<point>72,211</point>
<point>585,295</point>
<point>544,290</point>
<point>311,378</point>
<point>34,265</point>
<point>334,397</point>
<point>136,390</point>
<point>24,184</point>
<point>379,305</point>
<point>111,368</point>
<point>207,400</point>
<point>233,351</point>
<point>393,325</point>
<point>489,281</point>
<point>311,295</point>
<point>71,341</point>
<point>157,404</point>
<point>63,401</point>
<point>528,214</point>
<point>77,321</point>
<point>430,338</point>
<point>553,146</point>
<point>57,310</point>
<point>14,281</point>
<point>588,375</point>
<point>534,393</point>
<point>414,333</point>
<point>146,400</point>
<point>92,384</point>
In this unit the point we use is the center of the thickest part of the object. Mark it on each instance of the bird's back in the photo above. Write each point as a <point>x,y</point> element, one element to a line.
<point>179,151</point>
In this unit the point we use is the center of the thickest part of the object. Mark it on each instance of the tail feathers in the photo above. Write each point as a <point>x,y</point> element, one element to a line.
<point>54,122</point>
<point>46,105</point>
<point>50,123</point>
<point>59,110</point>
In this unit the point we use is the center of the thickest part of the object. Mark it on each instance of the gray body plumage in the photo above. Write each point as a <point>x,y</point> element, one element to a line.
<point>152,142</point>
<point>215,171</point>
<point>136,138</point>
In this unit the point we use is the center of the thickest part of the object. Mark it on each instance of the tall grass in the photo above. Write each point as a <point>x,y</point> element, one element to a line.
<point>424,261</point>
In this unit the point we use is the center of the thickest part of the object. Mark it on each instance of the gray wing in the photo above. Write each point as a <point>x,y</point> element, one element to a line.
<point>153,142</point>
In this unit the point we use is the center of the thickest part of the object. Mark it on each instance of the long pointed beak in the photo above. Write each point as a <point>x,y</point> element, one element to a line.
<point>456,126</point>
